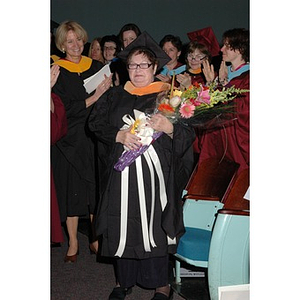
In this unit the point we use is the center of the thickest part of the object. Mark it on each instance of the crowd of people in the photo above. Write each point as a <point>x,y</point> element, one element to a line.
<point>137,212</point>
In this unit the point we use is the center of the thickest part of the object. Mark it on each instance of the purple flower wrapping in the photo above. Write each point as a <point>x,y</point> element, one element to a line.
<point>128,157</point>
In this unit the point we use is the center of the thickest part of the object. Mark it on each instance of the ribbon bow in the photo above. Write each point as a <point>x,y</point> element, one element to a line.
<point>139,127</point>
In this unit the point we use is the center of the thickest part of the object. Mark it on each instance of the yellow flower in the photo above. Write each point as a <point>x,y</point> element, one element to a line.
<point>135,126</point>
<point>177,93</point>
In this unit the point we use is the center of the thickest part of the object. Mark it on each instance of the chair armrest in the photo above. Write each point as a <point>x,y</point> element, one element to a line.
<point>234,212</point>
<point>201,197</point>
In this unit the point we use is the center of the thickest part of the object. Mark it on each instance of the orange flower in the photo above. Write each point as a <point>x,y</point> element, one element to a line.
<point>166,108</point>
<point>197,85</point>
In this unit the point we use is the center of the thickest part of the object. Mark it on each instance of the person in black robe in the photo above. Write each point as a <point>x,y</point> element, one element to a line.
<point>140,211</point>
<point>73,158</point>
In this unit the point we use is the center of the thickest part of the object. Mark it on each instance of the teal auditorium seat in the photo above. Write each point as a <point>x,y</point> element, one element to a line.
<point>204,196</point>
<point>217,239</point>
<point>193,247</point>
<point>228,262</point>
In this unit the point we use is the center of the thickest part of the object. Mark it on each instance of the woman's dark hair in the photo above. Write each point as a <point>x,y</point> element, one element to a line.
<point>238,39</point>
<point>193,45</point>
<point>126,27</point>
<point>175,40</point>
<point>111,38</point>
<point>145,51</point>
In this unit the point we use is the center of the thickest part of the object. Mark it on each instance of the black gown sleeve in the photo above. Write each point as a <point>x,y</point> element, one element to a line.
<point>99,120</point>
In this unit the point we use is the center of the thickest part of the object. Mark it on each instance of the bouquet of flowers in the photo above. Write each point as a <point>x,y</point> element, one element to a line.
<point>201,106</point>
<point>147,136</point>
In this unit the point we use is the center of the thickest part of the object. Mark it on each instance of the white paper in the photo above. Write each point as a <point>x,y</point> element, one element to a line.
<point>93,81</point>
<point>247,194</point>
<point>234,292</point>
<point>189,273</point>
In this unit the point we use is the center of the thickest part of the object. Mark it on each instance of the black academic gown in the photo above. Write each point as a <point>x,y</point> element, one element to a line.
<point>73,157</point>
<point>176,158</point>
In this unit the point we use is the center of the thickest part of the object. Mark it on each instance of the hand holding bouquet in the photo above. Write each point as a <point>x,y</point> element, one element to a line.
<point>140,127</point>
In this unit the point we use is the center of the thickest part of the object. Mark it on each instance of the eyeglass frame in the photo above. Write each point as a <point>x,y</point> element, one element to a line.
<point>190,57</point>
<point>110,48</point>
<point>139,65</point>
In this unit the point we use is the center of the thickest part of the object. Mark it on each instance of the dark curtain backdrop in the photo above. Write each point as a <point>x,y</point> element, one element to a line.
<point>158,17</point>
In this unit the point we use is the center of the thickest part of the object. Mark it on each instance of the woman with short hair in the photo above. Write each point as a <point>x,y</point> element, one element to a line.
<point>140,211</point>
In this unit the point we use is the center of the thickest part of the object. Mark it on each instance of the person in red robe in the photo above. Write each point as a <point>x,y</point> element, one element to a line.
<point>58,129</point>
<point>202,49</point>
<point>231,141</point>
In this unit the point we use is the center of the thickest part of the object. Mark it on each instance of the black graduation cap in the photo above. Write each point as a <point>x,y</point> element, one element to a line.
<point>145,40</point>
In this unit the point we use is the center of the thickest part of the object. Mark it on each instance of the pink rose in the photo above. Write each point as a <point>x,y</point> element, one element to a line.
<point>203,96</point>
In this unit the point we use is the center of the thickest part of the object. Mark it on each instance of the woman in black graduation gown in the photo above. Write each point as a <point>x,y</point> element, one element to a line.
<point>73,156</point>
<point>137,230</point>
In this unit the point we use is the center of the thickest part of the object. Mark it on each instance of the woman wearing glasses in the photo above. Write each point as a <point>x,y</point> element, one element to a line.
<point>140,215</point>
<point>111,46</point>
<point>196,55</point>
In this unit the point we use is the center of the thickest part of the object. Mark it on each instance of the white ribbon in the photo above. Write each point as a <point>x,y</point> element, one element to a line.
<point>143,208</point>
<point>144,132</point>
<point>124,211</point>
<point>162,186</point>
<point>152,159</point>
<point>151,170</point>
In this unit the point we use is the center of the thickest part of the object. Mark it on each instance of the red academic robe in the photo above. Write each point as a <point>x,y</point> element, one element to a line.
<point>231,141</point>
<point>58,130</point>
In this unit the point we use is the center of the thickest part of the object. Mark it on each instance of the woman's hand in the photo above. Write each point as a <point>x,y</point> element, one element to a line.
<point>103,86</point>
<point>164,78</point>
<point>208,71</point>
<point>128,139</point>
<point>223,73</point>
<point>185,80</point>
<point>100,90</point>
<point>54,72</point>
<point>161,123</point>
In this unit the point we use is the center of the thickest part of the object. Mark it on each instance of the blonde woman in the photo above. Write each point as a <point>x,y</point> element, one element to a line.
<point>73,156</point>
<point>95,51</point>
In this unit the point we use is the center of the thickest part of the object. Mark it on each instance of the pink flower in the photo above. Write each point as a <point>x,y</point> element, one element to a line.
<point>203,96</point>
<point>195,102</point>
<point>187,110</point>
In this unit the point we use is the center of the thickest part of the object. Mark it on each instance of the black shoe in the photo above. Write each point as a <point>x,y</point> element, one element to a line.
<point>161,296</point>
<point>119,293</point>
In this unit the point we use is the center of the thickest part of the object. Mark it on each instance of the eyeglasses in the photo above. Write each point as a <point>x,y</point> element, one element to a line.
<point>196,58</point>
<point>142,66</point>
<point>111,48</point>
